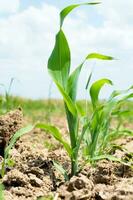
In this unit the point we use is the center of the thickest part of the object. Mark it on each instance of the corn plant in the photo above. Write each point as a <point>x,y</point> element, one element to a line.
<point>7,162</point>
<point>99,134</point>
<point>59,66</point>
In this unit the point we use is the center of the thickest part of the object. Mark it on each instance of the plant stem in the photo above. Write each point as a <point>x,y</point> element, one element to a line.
<point>73,132</point>
<point>3,168</point>
<point>74,167</point>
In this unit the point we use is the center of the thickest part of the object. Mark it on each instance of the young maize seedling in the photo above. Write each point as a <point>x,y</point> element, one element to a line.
<point>99,134</point>
<point>59,65</point>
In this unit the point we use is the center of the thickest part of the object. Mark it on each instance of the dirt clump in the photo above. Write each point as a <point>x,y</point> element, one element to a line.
<point>31,176</point>
<point>15,178</point>
<point>9,124</point>
<point>79,187</point>
<point>121,190</point>
<point>107,181</point>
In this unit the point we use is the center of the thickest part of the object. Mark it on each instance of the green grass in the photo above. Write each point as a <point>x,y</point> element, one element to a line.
<point>38,110</point>
<point>35,110</point>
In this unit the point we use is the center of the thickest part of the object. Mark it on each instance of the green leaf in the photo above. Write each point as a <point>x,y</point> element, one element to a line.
<point>73,82</point>
<point>111,158</point>
<point>59,61</point>
<point>72,121</point>
<point>129,96</point>
<point>61,170</point>
<point>80,109</point>
<point>85,127</point>
<point>16,136</point>
<point>116,93</point>
<point>131,87</point>
<point>10,163</point>
<point>99,56</point>
<point>47,197</point>
<point>73,79</point>
<point>56,134</point>
<point>88,81</point>
<point>95,90</point>
<point>70,104</point>
<point>1,191</point>
<point>124,132</point>
<point>122,113</point>
<point>68,9</point>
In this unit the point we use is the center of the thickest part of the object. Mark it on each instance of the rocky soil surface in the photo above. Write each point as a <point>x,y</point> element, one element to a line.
<point>34,176</point>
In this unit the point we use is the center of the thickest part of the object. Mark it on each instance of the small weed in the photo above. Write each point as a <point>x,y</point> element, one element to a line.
<point>6,99</point>
<point>7,162</point>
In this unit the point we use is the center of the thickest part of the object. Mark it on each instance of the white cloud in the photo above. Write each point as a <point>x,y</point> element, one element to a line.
<point>26,40</point>
<point>117,13</point>
<point>9,6</point>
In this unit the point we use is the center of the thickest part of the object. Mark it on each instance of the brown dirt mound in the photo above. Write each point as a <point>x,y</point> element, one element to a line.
<point>105,182</point>
<point>9,124</point>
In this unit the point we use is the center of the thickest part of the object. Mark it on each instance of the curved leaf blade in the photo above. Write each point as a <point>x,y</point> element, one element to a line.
<point>117,93</point>
<point>56,134</point>
<point>95,90</point>
<point>88,81</point>
<point>98,56</point>
<point>61,170</point>
<point>16,136</point>
<point>70,104</point>
<point>73,82</point>
<point>68,9</point>
<point>111,158</point>
<point>59,60</point>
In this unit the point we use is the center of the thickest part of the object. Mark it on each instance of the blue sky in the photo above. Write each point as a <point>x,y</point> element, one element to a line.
<point>28,29</point>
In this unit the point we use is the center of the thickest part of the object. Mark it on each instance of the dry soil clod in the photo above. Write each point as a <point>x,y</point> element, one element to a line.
<point>9,124</point>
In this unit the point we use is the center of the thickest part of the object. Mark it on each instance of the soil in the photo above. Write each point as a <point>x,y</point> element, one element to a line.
<point>34,176</point>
